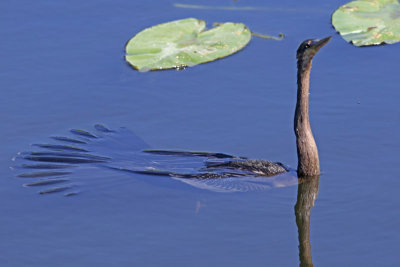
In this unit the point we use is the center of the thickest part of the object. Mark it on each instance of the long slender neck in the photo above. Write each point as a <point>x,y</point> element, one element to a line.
<point>307,152</point>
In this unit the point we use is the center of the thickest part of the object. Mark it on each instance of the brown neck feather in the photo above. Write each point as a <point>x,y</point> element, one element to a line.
<point>307,152</point>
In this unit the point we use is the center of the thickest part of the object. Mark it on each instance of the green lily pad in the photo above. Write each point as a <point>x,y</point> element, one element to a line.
<point>368,22</point>
<point>182,43</point>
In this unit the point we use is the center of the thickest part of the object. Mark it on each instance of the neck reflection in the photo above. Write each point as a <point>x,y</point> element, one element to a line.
<point>307,193</point>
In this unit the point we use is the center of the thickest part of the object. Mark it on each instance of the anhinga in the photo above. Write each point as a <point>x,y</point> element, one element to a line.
<point>307,152</point>
<point>138,158</point>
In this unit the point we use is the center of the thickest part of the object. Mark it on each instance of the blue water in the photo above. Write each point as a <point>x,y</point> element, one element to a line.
<point>62,67</point>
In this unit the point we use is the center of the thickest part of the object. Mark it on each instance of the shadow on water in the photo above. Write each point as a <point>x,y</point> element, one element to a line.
<point>307,193</point>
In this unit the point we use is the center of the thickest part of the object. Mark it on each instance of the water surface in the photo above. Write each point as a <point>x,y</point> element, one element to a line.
<point>62,67</point>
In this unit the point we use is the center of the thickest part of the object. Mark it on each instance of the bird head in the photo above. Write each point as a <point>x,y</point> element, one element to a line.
<point>309,48</point>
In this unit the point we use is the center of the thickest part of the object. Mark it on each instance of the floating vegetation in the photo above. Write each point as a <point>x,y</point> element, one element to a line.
<point>368,22</point>
<point>183,43</point>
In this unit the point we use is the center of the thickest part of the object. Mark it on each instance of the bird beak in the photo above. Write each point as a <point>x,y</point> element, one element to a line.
<point>317,44</point>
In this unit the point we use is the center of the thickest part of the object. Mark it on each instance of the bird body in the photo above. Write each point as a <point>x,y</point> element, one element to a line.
<point>259,167</point>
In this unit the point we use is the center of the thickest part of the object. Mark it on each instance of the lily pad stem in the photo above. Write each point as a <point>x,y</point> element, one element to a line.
<point>263,36</point>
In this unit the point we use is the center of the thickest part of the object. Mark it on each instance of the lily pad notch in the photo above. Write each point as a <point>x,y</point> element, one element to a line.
<point>181,43</point>
<point>368,22</point>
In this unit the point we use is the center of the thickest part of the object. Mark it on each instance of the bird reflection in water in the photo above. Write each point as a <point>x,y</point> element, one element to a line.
<point>307,193</point>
